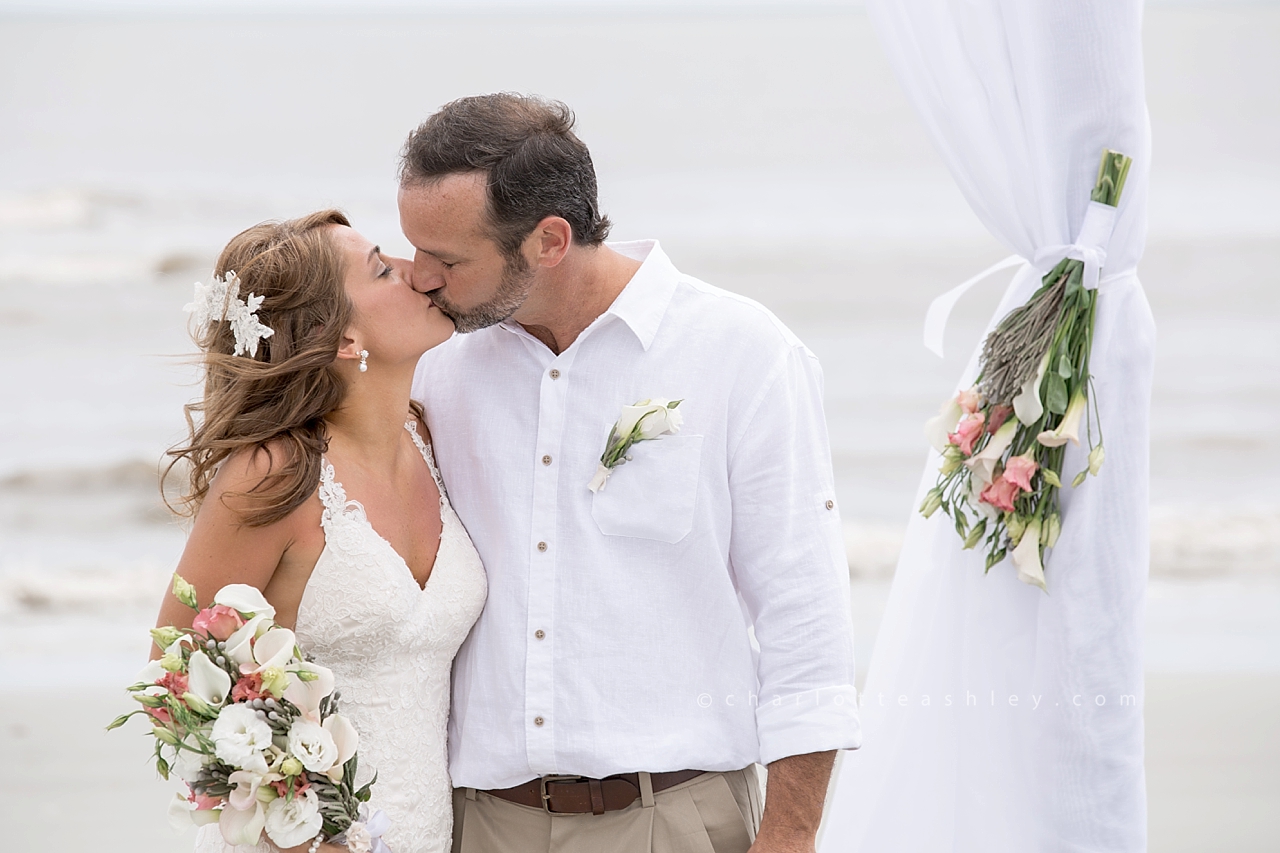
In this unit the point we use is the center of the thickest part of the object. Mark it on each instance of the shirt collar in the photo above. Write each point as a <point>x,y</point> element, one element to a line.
<point>643,302</point>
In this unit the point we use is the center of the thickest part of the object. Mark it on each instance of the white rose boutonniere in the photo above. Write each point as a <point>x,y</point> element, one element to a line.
<point>642,421</point>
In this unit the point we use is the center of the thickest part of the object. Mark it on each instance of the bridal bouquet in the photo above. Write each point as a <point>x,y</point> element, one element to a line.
<point>1003,441</point>
<point>252,728</point>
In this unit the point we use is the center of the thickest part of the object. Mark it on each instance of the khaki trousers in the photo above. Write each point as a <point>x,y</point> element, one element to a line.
<point>712,813</point>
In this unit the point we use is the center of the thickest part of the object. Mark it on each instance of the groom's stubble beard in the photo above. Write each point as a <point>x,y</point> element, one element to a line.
<point>513,289</point>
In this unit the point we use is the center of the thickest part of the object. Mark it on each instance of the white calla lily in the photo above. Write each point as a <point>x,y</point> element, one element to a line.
<point>1026,557</point>
<point>244,794</point>
<point>248,600</point>
<point>208,680</point>
<point>345,738</point>
<point>1027,406</point>
<point>183,814</point>
<point>307,695</point>
<point>243,827</point>
<point>274,649</point>
<point>939,428</point>
<point>1069,429</point>
<point>982,465</point>
<point>239,646</point>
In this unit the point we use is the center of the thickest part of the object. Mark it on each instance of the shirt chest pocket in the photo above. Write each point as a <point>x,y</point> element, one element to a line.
<point>653,495</point>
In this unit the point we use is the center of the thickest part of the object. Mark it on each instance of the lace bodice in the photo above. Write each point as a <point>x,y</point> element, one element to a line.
<point>390,644</point>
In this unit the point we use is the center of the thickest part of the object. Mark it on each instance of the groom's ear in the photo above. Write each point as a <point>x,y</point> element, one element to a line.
<point>550,241</point>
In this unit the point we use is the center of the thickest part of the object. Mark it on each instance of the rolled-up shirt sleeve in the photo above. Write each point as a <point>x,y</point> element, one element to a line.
<point>788,562</point>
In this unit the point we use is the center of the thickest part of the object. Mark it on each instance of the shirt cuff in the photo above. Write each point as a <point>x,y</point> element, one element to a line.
<point>813,721</point>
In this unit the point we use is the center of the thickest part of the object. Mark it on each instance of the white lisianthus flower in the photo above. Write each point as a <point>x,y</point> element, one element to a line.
<point>295,821</point>
<point>243,826</point>
<point>245,599</point>
<point>345,738</point>
<point>312,745</point>
<point>1026,557</point>
<point>240,738</point>
<point>661,420</point>
<point>939,428</point>
<point>208,680</point>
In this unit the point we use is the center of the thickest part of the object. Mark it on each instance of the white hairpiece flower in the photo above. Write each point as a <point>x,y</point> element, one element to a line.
<point>220,300</point>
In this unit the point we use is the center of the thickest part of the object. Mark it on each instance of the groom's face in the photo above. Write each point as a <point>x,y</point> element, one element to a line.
<point>455,259</point>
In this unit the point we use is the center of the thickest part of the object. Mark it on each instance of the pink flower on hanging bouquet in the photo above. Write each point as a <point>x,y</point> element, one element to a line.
<point>968,433</point>
<point>970,401</point>
<point>1019,470</point>
<point>998,415</point>
<point>1000,494</point>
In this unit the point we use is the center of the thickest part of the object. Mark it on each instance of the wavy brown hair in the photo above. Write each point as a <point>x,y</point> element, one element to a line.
<point>274,402</point>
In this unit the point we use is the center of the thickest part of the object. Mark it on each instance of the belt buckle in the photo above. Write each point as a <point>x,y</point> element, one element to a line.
<point>546,798</point>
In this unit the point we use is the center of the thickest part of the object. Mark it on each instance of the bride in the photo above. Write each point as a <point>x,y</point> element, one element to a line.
<point>312,479</point>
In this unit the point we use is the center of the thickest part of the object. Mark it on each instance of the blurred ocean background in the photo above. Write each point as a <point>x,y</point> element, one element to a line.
<point>765,144</point>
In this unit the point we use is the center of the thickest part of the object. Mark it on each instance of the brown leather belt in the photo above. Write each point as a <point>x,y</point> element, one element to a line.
<point>581,795</point>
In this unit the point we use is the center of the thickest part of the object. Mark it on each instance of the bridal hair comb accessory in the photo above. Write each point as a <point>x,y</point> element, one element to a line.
<point>220,300</point>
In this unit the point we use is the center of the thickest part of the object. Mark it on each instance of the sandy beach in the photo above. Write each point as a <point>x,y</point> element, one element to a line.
<point>133,145</point>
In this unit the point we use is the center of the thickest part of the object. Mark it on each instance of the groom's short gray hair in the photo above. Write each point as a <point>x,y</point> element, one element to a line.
<point>536,166</point>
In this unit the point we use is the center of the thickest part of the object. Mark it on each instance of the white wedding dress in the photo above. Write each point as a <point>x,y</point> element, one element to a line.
<point>390,644</point>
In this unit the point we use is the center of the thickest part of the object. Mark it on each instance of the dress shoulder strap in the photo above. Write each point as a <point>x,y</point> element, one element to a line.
<point>412,426</point>
<point>333,495</point>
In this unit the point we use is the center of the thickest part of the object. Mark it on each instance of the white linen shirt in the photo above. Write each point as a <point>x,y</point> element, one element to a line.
<point>616,634</point>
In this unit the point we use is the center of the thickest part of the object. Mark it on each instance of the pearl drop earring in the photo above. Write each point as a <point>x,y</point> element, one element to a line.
<point>364,360</point>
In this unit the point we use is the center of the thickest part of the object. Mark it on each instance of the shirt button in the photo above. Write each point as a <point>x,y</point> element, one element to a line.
<point>537,721</point>
<point>831,504</point>
<point>546,460</point>
<point>542,546</point>
<point>555,374</point>
<point>539,633</point>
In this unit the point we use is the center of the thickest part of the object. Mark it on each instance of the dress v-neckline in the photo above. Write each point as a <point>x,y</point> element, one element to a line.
<point>334,496</point>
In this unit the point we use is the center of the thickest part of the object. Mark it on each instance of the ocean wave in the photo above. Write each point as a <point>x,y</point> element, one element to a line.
<point>1184,546</point>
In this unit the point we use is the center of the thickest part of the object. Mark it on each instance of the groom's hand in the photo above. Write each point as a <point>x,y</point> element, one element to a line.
<point>796,790</point>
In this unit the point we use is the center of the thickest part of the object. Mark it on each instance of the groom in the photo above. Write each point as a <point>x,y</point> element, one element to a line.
<point>610,697</point>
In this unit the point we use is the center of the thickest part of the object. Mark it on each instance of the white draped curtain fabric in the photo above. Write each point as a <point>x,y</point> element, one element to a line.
<point>998,717</point>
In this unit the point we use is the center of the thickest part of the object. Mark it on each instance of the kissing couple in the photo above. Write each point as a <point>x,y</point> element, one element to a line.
<point>560,518</point>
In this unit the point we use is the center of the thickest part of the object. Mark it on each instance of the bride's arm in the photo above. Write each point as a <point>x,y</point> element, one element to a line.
<point>276,558</point>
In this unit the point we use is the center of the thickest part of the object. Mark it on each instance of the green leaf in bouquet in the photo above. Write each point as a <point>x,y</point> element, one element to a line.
<point>994,558</point>
<point>1064,366</point>
<point>1075,280</point>
<point>1055,394</point>
<point>367,791</point>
